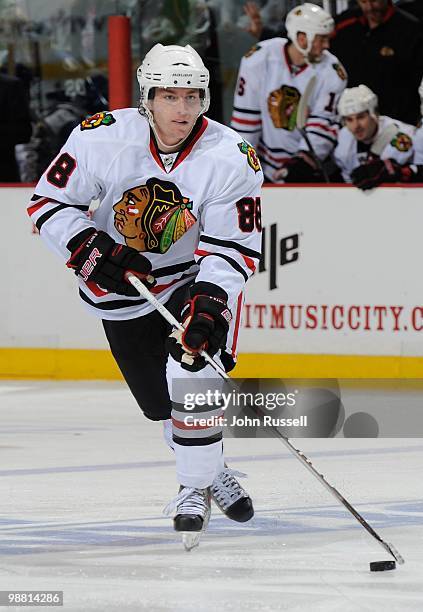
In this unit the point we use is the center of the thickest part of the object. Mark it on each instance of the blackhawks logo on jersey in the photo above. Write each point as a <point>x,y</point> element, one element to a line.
<point>402,142</point>
<point>103,118</point>
<point>250,152</point>
<point>253,49</point>
<point>153,216</point>
<point>282,104</point>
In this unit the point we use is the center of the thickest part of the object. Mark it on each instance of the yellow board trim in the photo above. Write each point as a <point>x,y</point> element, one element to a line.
<point>58,364</point>
<point>328,366</point>
<point>84,364</point>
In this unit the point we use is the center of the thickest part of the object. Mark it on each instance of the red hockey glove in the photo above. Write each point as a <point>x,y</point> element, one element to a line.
<point>97,257</point>
<point>206,317</point>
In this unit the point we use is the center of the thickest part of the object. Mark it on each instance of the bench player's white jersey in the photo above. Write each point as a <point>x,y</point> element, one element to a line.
<point>418,146</point>
<point>199,219</point>
<point>350,153</point>
<point>266,101</point>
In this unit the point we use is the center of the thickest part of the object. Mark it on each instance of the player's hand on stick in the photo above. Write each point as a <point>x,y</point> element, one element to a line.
<point>205,317</point>
<point>96,257</point>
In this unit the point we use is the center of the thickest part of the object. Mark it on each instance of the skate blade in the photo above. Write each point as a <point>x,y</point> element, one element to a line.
<point>191,539</point>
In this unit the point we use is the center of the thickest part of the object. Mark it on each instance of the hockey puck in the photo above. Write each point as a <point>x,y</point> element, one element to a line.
<point>382,566</point>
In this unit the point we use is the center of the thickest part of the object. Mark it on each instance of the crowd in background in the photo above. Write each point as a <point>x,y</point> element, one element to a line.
<point>376,49</point>
<point>379,42</point>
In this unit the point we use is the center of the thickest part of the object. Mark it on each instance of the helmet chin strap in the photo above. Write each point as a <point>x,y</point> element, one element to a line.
<point>306,53</point>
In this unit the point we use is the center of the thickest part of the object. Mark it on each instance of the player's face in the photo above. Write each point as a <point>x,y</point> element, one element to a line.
<point>362,126</point>
<point>373,10</point>
<point>175,111</point>
<point>320,43</point>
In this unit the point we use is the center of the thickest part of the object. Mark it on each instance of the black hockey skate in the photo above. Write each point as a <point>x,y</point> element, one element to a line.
<point>230,497</point>
<point>193,508</point>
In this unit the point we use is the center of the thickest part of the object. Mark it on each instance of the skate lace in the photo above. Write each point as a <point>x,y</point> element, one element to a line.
<point>188,501</point>
<point>226,489</point>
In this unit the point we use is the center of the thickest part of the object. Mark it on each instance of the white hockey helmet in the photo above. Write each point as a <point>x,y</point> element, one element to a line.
<point>421,97</point>
<point>357,100</point>
<point>173,66</point>
<point>310,19</point>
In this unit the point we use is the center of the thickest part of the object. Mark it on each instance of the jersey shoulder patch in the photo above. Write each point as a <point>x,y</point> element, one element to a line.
<point>340,71</point>
<point>252,159</point>
<point>252,50</point>
<point>402,142</point>
<point>95,121</point>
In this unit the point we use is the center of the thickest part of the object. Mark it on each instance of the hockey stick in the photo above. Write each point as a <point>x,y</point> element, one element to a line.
<point>301,120</point>
<point>145,293</point>
<point>142,289</point>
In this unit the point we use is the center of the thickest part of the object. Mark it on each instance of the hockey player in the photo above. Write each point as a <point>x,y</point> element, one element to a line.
<point>372,149</point>
<point>180,208</point>
<point>272,78</point>
<point>418,143</point>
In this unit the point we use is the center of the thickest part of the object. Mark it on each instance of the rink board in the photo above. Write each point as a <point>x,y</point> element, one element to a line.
<point>338,292</point>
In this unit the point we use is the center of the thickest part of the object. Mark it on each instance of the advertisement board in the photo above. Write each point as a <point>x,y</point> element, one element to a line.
<point>340,279</point>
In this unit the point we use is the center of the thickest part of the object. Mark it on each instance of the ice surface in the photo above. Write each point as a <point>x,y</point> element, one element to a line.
<point>84,478</point>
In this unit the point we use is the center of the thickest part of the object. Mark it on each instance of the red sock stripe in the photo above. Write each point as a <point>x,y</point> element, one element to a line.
<point>182,425</point>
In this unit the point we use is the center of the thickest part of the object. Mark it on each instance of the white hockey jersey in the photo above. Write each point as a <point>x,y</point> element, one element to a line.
<point>350,153</point>
<point>418,146</point>
<point>200,218</point>
<point>266,101</point>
